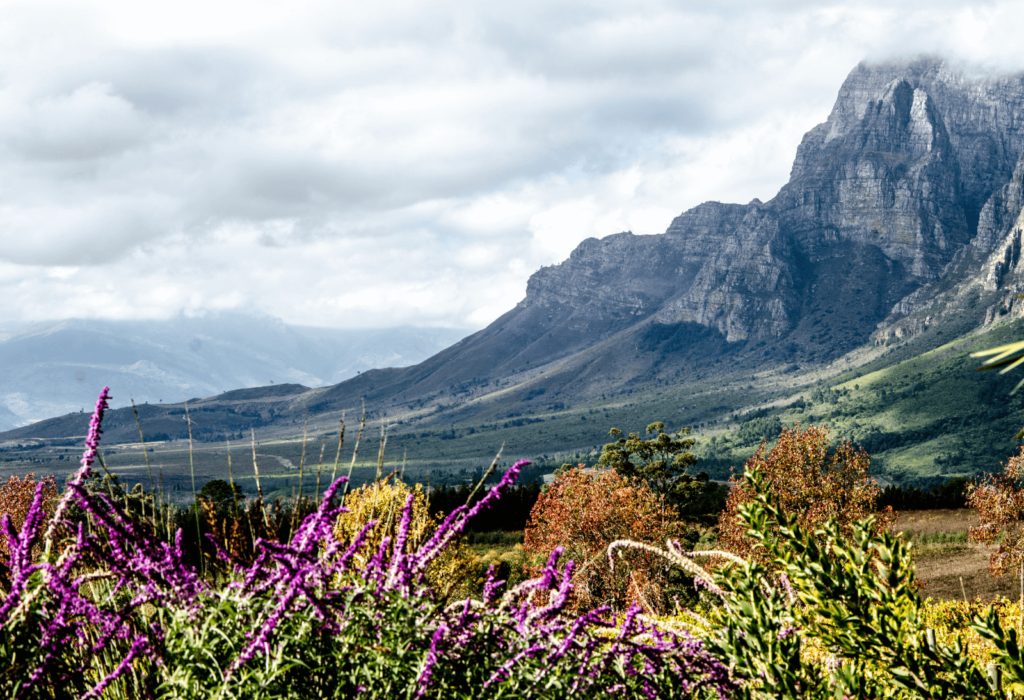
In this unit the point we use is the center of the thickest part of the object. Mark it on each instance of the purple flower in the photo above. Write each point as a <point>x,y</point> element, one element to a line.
<point>75,618</point>
<point>522,637</point>
<point>92,441</point>
<point>786,632</point>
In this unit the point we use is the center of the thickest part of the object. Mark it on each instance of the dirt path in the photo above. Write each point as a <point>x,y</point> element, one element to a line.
<point>286,463</point>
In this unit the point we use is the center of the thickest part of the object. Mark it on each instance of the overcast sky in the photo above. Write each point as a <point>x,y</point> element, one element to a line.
<point>377,164</point>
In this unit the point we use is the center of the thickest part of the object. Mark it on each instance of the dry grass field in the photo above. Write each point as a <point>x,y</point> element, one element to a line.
<point>931,526</point>
<point>947,565</point>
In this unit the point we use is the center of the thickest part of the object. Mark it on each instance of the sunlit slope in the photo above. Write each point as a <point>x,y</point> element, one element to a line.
<point>932,415</point>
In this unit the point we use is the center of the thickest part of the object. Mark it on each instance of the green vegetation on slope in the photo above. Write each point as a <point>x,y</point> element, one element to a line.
<point>932,415</point>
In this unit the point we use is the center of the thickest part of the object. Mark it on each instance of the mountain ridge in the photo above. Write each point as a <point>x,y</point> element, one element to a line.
<point>50,366</point>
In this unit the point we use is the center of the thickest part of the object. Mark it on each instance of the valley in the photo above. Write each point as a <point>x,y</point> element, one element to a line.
<point>924,417</point>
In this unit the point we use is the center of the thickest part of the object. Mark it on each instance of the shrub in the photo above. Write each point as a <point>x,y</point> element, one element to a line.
<point>16,496</point>
<point>999,502</point>
<point>511,565</point>
<point>849,591</point>
<point>807,481</point>
<point>235,528</point>
<point>583,513</point>
<point>382,503</point>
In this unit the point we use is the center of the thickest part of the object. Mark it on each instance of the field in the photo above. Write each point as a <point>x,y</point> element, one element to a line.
<point>922,416</point>
<point>947,565</point>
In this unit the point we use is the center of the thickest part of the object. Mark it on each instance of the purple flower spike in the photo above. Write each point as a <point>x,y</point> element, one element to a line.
<point>786,632</point>
<point>92,441</point>
<point>142,570</point>
<point>456,522</point>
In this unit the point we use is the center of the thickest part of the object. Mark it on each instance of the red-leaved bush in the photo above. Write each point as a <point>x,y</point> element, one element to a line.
<point>808,481</point>
<point>16,498</point>
<point>999,503</point>
<point>583,512</point>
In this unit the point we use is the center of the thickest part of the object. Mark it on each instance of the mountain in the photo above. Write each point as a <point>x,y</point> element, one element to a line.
<point>53,368</point>
<point>908,188</point>
<point>899,231</point>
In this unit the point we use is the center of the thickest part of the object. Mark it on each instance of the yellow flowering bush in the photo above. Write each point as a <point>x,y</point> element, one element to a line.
<point>383,501</point>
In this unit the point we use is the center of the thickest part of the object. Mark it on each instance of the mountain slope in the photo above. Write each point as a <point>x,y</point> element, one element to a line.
<point>909,183</point>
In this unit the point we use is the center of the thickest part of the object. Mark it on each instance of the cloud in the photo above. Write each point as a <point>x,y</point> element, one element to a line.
<point>88,123</point>
<point>401,162</point>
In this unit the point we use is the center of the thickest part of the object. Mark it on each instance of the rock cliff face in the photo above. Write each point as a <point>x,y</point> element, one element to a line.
<point>914,169</point>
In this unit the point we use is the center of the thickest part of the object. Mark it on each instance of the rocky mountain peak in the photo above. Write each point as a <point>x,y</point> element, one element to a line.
<point>911,166</point>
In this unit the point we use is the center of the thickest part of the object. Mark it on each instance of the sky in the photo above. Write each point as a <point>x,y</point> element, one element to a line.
<point>401,163</point>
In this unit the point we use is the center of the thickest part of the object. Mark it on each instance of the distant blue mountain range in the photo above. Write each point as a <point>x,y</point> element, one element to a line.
<point>53,368</point>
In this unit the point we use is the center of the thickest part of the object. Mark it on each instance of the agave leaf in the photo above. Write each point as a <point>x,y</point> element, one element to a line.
<point>1004,349</point>
<point>1012,366</point>
<point>996,365</point>
<point>1005,355</point>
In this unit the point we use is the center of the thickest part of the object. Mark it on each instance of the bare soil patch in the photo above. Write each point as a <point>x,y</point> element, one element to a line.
<point>943,567</point>
<point>948,567</point>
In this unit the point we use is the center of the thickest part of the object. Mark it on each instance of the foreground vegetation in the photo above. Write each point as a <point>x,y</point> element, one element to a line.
<point>370,599</point>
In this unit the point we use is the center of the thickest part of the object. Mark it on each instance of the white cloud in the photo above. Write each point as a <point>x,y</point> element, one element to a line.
<point>88,123</point>
<point>401,162</point>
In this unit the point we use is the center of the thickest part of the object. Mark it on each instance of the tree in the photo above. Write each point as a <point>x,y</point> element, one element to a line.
<point>662,462</point>
<point>584,512</point>
<point>508,514</point>
<point>808,481</point>
<point>999,503</point>
<point>221,495</point>
<point>659,460</point>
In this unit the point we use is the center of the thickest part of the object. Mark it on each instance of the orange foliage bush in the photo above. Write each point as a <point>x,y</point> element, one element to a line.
<point>809,482</point>
<point>584,512</point>
<point>16,498</point>
<point>999,502</point>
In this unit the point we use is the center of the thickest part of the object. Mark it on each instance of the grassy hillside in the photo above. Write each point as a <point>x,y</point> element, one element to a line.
<point>928,417</point>
<point>925,417</point>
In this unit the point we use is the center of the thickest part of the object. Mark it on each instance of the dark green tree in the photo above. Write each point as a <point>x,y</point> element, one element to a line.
<point>220,494</point>
<point>663,461</point>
